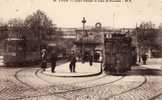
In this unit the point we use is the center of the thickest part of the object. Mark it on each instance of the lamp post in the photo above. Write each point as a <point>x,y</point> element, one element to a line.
<point>83,21</point>
<point>138,44</point>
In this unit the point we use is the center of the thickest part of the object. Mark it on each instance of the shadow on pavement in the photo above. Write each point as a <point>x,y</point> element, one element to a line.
<point>146,71</point>
<point>139,70</point>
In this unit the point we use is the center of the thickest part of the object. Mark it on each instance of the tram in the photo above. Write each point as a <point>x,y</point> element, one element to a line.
<point>119,53</point>
<point>18,52</point>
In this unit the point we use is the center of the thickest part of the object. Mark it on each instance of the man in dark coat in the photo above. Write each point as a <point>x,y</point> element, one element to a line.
<point>90,59</point>
<point>72,62</point>
<point>53,61</point>
<point>144,58</point>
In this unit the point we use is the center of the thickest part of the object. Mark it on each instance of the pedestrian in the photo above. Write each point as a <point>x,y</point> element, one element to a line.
<point>44,59</point>
<point>144,58</point>
<point>72,62</point>
<point>91,59</point>
<point>53,61</point>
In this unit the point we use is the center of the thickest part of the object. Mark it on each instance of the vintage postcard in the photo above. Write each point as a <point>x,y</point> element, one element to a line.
<point>80,49</point>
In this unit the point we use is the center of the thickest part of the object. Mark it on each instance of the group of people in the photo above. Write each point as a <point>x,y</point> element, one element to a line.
<point>53,60</point>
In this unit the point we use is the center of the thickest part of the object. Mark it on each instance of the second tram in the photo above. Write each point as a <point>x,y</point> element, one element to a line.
<point>118,53</point>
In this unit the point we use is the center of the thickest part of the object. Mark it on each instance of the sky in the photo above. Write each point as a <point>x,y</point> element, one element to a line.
<point>70,14</point>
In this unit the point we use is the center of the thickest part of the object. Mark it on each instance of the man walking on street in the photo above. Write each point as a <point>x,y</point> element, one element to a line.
<point>53,61</point>
<point>90,59</point>
<point>144,58</point>
<point>72,62</point>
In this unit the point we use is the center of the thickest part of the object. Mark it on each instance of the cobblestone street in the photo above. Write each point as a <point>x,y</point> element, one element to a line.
<point>141,83</point>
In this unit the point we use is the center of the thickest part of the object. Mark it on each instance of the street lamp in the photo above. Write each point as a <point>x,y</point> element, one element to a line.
<point>83,21</point>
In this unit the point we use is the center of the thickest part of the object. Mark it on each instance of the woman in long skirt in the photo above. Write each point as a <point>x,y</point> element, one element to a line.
<point>44,59</point>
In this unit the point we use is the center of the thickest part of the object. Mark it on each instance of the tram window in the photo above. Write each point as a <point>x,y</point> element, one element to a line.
<point>11,48</point>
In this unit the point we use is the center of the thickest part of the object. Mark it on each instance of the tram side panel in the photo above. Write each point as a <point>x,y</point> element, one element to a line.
<point>14,54</point>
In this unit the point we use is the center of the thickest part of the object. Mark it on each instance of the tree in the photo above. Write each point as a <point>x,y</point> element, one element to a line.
<point>147,37</point>
<point>159,38</point>
<point>40,25</point>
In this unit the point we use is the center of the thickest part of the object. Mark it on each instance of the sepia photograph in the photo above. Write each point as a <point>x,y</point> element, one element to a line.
<point>80,49</point>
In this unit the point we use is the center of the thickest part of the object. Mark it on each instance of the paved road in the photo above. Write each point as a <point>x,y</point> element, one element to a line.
<point>142,83</point>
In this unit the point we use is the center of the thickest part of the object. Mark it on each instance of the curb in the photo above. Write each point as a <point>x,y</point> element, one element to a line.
<point>88,75</point>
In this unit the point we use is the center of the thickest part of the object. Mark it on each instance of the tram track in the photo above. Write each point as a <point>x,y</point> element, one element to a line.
<point>123,92</point>
<point>4,89</point>
<point>13,86</point>
<point>116,94</point>
<point>89,80</point>
<point>65,91</point>
<point>62,92</point>
<point>77,89</point>
<point>111,94</point>
<point>27,85</point>
<point>85,81</point>
<point>156,96</point>
<point>82,88</point>
<point>24,83</point>
<point>19,80</point>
